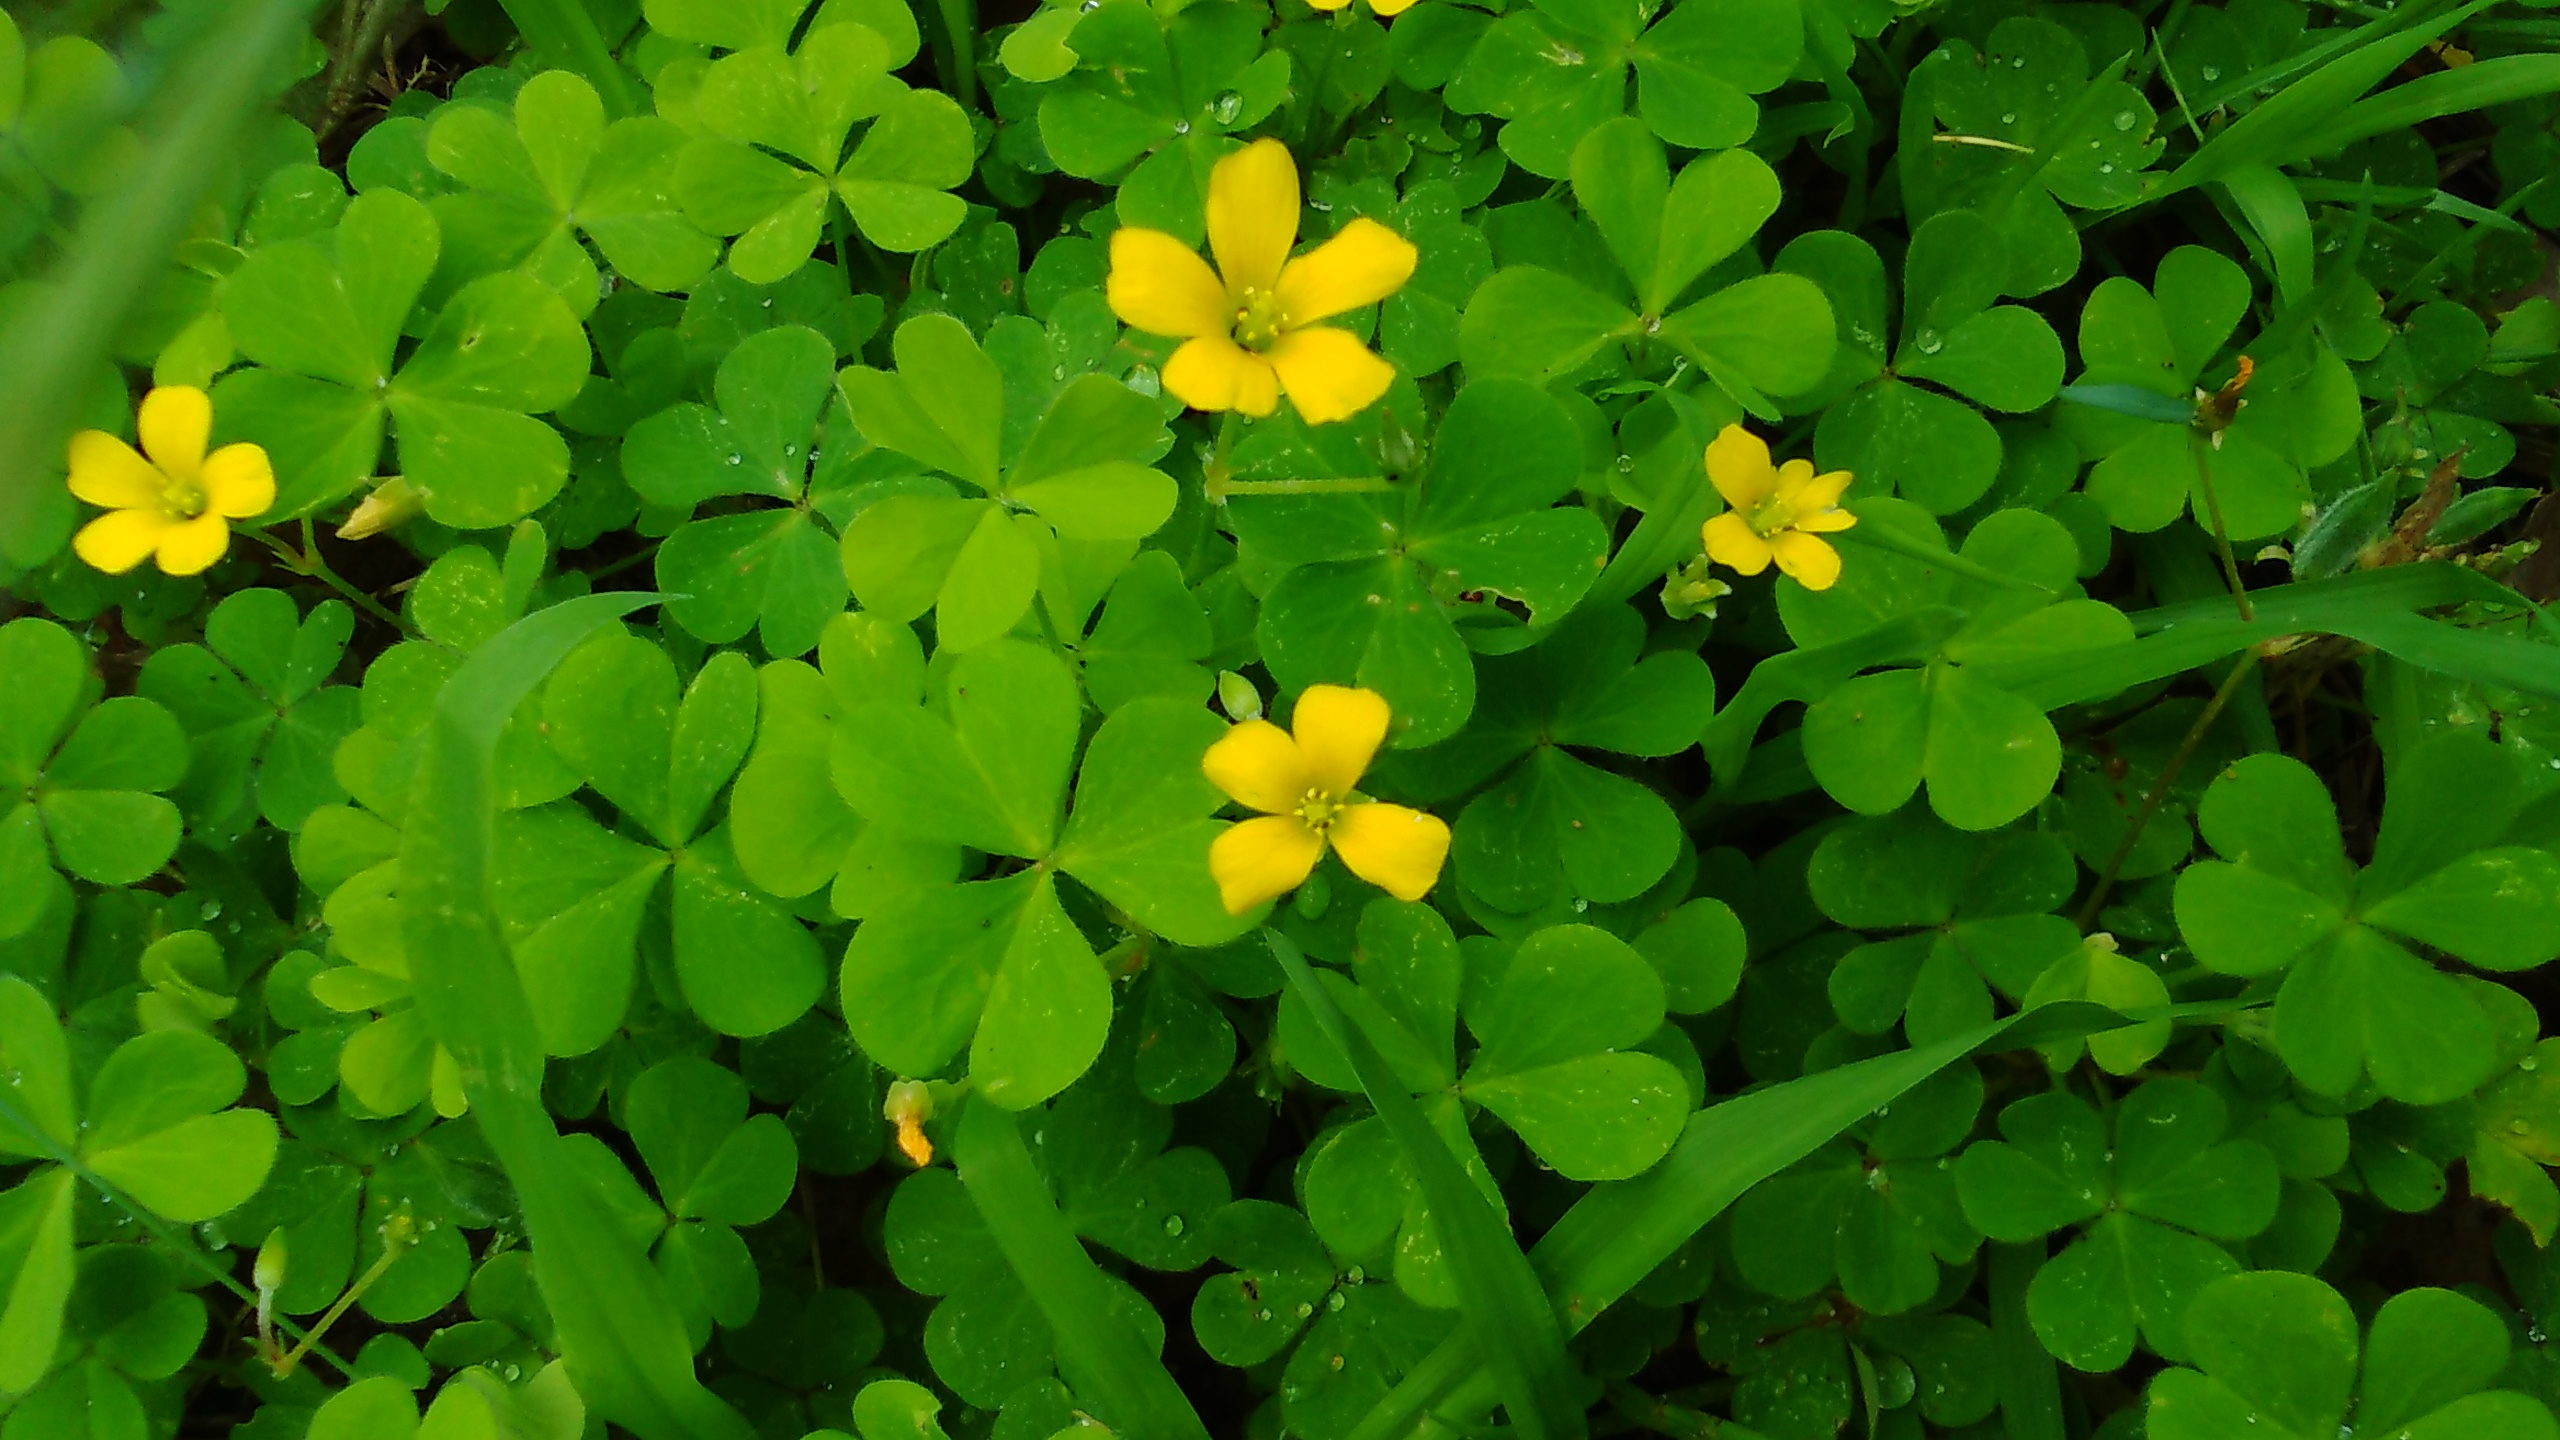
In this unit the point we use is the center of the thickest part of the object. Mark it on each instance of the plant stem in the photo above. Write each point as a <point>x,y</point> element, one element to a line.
<point>2159,791</point>
<point>959,44</point>
<point>307,562</point>
<point>11,1115</point>
<point>1327,485</point>
<point>398,1235</point>
<point>2221,535</point>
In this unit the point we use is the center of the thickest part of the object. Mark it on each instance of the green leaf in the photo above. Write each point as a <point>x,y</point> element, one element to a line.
<point>1104,1356</point>
<point>1140,830</point>
<point>2285,1343</point>
<point>991,776</point>
<point>152,1130</point>
<point>2429,1347</point>
<point>943,406</point>
<point>613,1309</point>
<point>995,966</point>
<point>35,1243</point>
<point>2362,1005</point>
<point>1508,1317</point>
<point>746,966</point>
<point>898,180</point>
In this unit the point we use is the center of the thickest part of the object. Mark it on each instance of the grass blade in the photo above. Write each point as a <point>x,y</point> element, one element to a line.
<point>564,34</point>
<point>1617,1233</point>
<point>2030,1386</point>
<point>1509,1322</point>
<point>2470,87</point>
<point>2266,197</point>
<point>624,1343</point>
<point>1103,1358</point>
<point>2297,122</point>
<point>61,340</point>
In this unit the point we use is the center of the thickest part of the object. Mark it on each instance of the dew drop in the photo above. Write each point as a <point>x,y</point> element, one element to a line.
<point>2018,62</point>
<point>768,302</point>
<point>1929,342</point>
<point>1173,1226</point>
<point>211,910</point>
<point>2212,73</point>
<point>1144,381</point>
<point>1226,107</point>
<point>1261,1316</point>
<point>1181,127</point>
<point>1333,1302</point>
<point>2520,1127</point>
<point>1355,1275</point>
<point>2528,1062</point>
<point>1305,1309</point>
<point>2124,119</point>
<point>737,460</point>
<point>1057,372</point>
<point>2107,167</point>
<point>2009,117</point>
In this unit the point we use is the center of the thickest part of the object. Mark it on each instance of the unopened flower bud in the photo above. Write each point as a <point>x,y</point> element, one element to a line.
<point>392,504</point>
<point>269,1272</point>
<point>1238,697</point>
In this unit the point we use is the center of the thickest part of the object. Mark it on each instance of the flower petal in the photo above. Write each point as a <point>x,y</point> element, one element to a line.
<point>1262,859</point>
<point>1339,730</point>
<point>1162,286</point>
<point>1825,521</point>
<point>1362,265</point>
<point>1398,850</point>
<point>1733,544</point>
<point>1390,8</point>
<point>1253,215</point>
<point>1812,563</point>
<point>1259,767</point>
<point>173,423</point>
<point>238,481</point>
<point>1738,466</point>
<point>1212,372</point>
<point>121,539</point>
<point>106,471</point>
<point>191,546</point>
<point>1328,373</point>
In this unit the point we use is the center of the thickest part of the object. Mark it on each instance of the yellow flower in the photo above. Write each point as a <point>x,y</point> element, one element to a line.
<point>908,1106</point>
<point>1303,785</point>
<point>1777,511</point>
<point>175,505</point>
<point>1386,9</point>
<point>1252,334</point>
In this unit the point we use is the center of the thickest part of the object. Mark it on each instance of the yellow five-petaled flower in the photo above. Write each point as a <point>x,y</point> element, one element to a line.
<point>1778,512</point>
<point>1304,785</point>
<point>174,506</point>
<point>1252,334</point>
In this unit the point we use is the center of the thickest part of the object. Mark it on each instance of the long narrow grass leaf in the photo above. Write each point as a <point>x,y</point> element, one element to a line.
<point>1617,1233</point>
<point>2273,208</point>
<point>2296,122</point>
<point>62,338</point>
<point>1510,1324</point>
<point>2030,1386</point>
<point>1101,1355</point>
<point>564,34</point>
<point>2501,81</point>
<point>620,1333</point>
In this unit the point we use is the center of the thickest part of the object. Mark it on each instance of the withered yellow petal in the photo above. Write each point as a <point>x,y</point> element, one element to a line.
<point>1259,767</point>
<point>174,423</point>
<point>1738,466</point>
<point>1398,850</point>
<point>121,539</point>
<point>238,482</point>
<point>1162,286</point>
<point>1212,372</point>
<point>1810,562</point>
<point>1253,215</point>
<point>1363,264</point>
<point>1262,859</point>
<point>1733,544</point>
<point>106,471</point>
<point>1328,373</point>
<point>1338,730</point>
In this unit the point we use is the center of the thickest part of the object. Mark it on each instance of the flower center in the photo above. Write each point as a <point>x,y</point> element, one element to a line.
<point>1769,516</point>
<point>1317,809</point>
<point>1259,320</point>
<point>183,499</point>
